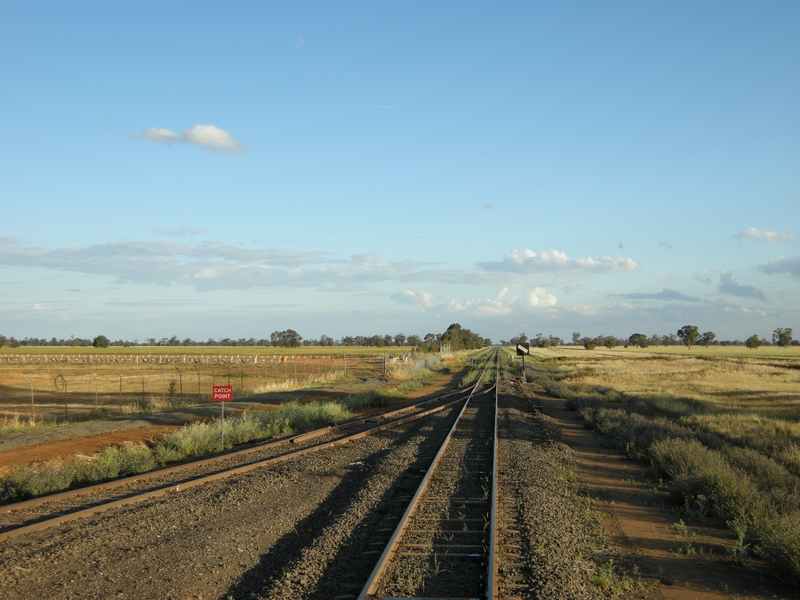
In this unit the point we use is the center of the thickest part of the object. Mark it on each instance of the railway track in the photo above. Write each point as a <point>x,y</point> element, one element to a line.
<point>444,545</point>
<point>49,511</point>
<point>488,520</point>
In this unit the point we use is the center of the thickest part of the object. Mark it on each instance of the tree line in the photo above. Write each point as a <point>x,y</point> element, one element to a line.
<point>688,335</point>
<point>457,338</point>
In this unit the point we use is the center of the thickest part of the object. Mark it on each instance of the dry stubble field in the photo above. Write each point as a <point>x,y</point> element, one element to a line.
<point>56,384</point>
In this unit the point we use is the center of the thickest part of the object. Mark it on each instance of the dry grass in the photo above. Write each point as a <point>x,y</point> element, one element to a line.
<point>113,384</point>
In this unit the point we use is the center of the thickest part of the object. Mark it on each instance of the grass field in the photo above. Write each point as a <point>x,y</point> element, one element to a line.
<point>790,353</point>
<point>720,427</point>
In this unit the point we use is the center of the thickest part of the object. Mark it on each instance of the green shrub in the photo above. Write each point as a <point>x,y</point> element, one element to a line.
<point>195,439</point>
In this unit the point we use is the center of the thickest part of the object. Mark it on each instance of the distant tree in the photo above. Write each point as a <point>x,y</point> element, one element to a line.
<point>638,339</point>
<point>100,341</point>
<point>288,338</point>
<point>413,340</point>
<point>669,340</point>
<point>782,336</point>
<point>753,342</point>
<point>689,334</point>
<point>325,340</point>
<point>487,342</point>
<point>589,343</point>
<point>461,339</point>
<point>707,338</point>
<point>400,340</point>
<point>518,339</point>
<point>348,341</point>
<point>430,338</point>
<point>611,342</point>
<point>576,337</point>
<point>655,339</point>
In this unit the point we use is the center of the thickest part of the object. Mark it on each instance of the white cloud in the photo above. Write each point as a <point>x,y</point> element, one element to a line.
<point>747,311</point>
<point>528,262</point>
<point>531,301</point>
<point>765,236</point>
<point>213,138</point>
<point>666,245</point>
<point>208,136</point>
<point>414,298</point>
<point>539,297</point>
<point>160,135</point>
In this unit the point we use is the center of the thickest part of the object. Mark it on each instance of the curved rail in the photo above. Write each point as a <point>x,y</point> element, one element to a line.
<point>184,485</point>
<point>391,549</point>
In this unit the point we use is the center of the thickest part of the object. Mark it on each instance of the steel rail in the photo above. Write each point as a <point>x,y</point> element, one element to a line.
<point>296,439</point>
<point>491,579</point>
<point>371,586</point>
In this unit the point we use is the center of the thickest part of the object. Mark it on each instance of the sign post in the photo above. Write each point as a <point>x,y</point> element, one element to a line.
<point>523,350</point>
<point>222,394</point>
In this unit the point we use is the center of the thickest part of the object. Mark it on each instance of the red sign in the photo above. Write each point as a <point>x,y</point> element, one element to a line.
<point>222,393</point>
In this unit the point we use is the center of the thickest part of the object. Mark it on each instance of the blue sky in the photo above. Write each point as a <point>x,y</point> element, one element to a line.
<point>212,169</point>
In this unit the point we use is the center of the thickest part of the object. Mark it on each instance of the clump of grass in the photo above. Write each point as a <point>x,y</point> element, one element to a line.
<point>16,422</point>
<point>39,479</point>
<point>370,399</point>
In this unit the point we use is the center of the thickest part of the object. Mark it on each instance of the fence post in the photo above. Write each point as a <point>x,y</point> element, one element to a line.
<point>180,376</point>
<point>142,374</point>
<point>95,389</point>
<point>120,382</point>
<point>60,376</point>
<point>199,395</point>
<point>33,413</point>
<point>163,384</point>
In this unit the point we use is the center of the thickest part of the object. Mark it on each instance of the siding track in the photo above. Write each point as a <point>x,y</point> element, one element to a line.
<point>41,513</point>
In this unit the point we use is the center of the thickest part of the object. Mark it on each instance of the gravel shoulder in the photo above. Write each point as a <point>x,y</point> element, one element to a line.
<point>555,532</point>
